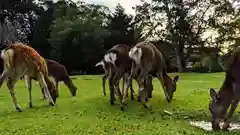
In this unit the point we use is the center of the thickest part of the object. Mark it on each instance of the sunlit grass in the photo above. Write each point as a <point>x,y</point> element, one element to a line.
<point>91,113</point>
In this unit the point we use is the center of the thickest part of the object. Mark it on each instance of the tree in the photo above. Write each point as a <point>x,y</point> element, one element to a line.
<point>42,31</point>
<point>179,24</point>
<point>121,27</point>
<point>77,34</point>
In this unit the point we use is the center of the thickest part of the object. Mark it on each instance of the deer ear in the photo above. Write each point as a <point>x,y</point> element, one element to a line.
<point>175,79</point>
<point>213,94</point>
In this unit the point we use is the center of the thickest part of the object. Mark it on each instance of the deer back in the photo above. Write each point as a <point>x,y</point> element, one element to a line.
<point>25,57</point>
<point>57,70</point>
<point>121,52</point>
<point>151,56</point>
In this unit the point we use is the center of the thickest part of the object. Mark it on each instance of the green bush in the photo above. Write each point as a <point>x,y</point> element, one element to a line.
<point>208,64</point>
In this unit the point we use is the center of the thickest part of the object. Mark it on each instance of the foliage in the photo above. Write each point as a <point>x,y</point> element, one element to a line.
<point>121,27</point>
<point>67,30</point>
<point>78,33</point>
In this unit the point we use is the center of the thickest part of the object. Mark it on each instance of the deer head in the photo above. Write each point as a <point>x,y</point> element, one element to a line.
<point>170,86</point>
<point>217,109</point>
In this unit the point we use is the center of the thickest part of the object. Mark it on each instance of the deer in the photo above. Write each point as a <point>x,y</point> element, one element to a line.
<point>22,60</point>
<point>106,69</point>
<point>119,65</point>
<point>228,95</point>
<point>117,61</point>
<point>150,61</point>
<point>59,73</point>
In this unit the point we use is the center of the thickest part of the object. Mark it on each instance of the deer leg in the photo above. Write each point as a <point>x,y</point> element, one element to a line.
<point>45,86</point>
<point>29,86</point>
<point>117,78</point>
<point>10,84</point>
<point>3,77</point>
<point>142,92</point>
<point>132,91</point>
<point>149,86</point>
<point>230,113</point>
<point>111,87</point>
<point>43,92</point>
<point>119,94</point>
<point>123,81</point>
<point>129,83</point>
<point>104,78</point>
<point>56,80</point>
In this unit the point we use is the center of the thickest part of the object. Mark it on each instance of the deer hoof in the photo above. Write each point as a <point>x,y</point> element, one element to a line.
<point>215,126</point>
<point>225,126</point>
<point>112,102</point>
<point>145,106</point>
<point>132,97</point>
<point>168,100</point>
<point>52,104</point>
<point>19,109</point>
<point>122,108</point>
<point>30,105</point>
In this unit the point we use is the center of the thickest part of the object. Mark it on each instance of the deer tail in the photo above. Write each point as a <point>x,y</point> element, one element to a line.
<point>101,63</point>
<point>136,54</point>
<point>111,57</point>
<point>7,56</point>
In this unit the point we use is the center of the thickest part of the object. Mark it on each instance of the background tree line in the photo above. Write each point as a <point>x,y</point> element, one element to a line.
<point>194,35</point>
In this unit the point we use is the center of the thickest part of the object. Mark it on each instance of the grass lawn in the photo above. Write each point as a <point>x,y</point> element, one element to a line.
<point>91,113</point>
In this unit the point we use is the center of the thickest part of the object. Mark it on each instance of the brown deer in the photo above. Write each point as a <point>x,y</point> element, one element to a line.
<point>228,95</point>
<point>149,60</point>
<point>120,65</point>
<point>106,69</point>
<point>22,60</point>
<point>59,73</point>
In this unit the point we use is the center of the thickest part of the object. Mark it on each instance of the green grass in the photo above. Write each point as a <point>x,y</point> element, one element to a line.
<point>91,113</point>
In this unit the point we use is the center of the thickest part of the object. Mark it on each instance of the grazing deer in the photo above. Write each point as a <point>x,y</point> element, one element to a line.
<point>59,73</point>
<point>228,95</point>
<point>22,60</point>
<point>149,60</point>
<point>120,65</point>
<point>106,69</point>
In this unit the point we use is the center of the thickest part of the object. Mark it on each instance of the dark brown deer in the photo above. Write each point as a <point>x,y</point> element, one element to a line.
<point>228,95</point>
<point>149,60</point>
<point>119,65</point>
<point>22,60</point>
<point>59,73</point>
<point>106,69</point>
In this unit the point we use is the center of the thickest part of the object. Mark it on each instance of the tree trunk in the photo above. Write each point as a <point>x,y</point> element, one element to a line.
<point>179,60</point>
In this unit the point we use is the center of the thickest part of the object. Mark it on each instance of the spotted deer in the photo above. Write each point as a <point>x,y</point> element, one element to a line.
<point>149,60</point>
<point>228,95</point>
<point>22,60</point>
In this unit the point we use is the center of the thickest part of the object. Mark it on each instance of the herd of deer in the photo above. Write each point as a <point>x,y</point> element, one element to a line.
<point>141,63</point>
